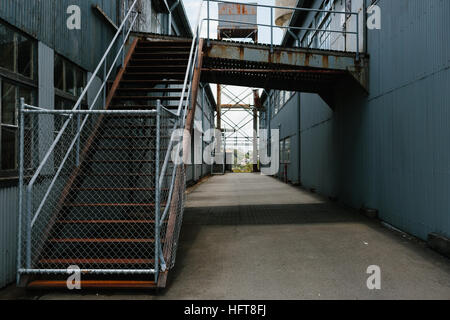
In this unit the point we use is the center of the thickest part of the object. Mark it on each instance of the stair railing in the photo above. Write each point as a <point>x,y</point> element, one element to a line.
<point>180,122</point>
<point>120,38</point>
<point>316,30</point>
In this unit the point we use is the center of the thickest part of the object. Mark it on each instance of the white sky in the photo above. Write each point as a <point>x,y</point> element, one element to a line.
<point>238,117</point>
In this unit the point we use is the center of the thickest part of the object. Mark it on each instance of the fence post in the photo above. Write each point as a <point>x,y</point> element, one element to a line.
<point>21,173</point>
<point>157,188</point>
<point>28,226</point>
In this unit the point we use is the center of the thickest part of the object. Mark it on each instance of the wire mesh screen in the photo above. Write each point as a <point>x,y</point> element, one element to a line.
<point>90,191</point>
<point>172,188</point>
<point>92,202</point>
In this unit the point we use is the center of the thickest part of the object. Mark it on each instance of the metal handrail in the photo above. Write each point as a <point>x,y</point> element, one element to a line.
<point>75,142</point>
<point>180,124</point>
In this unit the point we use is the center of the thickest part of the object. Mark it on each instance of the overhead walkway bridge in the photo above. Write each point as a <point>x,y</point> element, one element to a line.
<point>102,196</point>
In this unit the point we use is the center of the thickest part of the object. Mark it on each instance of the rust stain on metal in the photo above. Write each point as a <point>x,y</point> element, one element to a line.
<point>325,61</point>
<point>241,53</point>
<point>235,8</point>
<point>307,56</point>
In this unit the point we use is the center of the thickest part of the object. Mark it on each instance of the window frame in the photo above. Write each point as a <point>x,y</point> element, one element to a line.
<point>13,173</point>
<point>18,80</point>
<point>65,93</point>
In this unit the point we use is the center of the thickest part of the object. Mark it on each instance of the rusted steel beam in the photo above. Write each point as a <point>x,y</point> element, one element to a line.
<point>235,106</point>
<point>288,56</point>
<point>295,57</point>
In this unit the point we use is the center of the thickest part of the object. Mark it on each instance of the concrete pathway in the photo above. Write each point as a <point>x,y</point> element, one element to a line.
<point>247,236</point>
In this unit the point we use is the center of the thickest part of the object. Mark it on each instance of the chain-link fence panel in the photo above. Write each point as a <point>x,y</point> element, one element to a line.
<point>172,187</point>
<point>89,191</point>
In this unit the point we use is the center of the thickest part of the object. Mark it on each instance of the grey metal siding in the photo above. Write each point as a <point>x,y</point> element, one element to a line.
<point>46,21</point>
<point>390,151</point>
<point>287,121</point>
<point>8,235</point>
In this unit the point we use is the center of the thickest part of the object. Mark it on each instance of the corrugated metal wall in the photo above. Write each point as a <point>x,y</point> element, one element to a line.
<point>46,21</point>
<point>287,121</point>
<point>390,151</point>
<point>8,235</point>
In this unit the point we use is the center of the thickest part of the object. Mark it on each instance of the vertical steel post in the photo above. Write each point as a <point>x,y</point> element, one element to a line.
<point>77,150</point>
<point>123,35</point>
<point>203,125</point>
<point>271,29</point>
<point>21,173</point>
<point>357,37</point>
<point>207,18</point>
<point>123,49</point>
<point>105,83</point>
<point>157,189</point>
<point>28,226</point>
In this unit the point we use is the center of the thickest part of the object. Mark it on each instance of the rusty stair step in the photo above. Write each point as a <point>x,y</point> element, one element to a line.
<point>158,55</point>
<point>151,89</point>
<point>156,74</point>
<point>101,240</point>
<point>163,98</point>
<point>99,284</point>
<point>123,161</point>
<point>81,205</point>
<point>130,137</point>
<point>153,81</point>
<point>91,174</point>
<point>159,61</point>
<point>77,261</point>
<point>154,68</point>
<point>137,107</point>
<point>105,221</point>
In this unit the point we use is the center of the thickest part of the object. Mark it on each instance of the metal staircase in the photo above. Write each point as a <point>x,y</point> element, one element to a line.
<point>108,216</point>
<point>99,194</point>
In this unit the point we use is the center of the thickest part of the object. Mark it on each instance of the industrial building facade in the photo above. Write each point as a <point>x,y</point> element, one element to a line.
<point>49,65</point>
<point>388,149</point>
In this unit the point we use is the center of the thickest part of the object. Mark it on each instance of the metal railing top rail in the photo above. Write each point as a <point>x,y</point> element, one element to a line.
<point>288,27</point>
<point>192,56</point>
<point>280,7</point>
